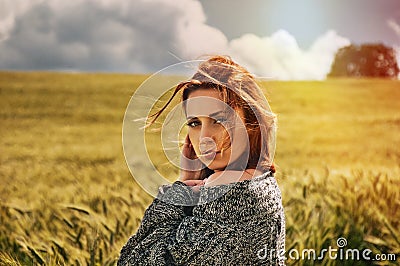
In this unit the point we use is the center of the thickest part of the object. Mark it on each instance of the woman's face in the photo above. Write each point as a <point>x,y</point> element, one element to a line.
<point>209,120</point>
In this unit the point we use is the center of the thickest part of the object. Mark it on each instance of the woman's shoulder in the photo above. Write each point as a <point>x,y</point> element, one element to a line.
<point>261,181</point>
<point>256,199</point>
<point>259,189</point>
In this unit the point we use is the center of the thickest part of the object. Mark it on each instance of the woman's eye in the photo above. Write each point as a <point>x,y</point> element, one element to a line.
<point>220,120</point>
<point>193,123</point>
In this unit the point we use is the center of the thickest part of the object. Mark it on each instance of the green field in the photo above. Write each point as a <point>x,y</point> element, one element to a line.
<point>68,198</point>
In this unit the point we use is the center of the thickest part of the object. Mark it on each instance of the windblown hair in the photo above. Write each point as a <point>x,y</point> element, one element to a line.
<point>239,90</point>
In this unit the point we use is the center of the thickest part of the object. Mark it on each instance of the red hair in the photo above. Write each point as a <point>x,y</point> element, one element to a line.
<point>239,90</point>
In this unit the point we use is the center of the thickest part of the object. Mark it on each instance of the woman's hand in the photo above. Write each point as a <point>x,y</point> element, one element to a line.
<point>195,184</point>
<point>190,164</point>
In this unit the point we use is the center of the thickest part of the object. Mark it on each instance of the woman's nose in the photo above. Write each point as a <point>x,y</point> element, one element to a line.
<point>205,131</point>
<point>208,130</point>
<point>207,144</point>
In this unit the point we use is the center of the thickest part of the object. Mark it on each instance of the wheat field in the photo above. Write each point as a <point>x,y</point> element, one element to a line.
<point>67,196</point>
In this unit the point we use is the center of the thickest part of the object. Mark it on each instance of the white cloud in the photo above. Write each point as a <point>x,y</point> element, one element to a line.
<point>196,39</point>
<point>323,51</point>
<point>6,25</point>
<point>9,10</point>
<point>141,35</point>
<point>396,28</point>
<point>280,57</point>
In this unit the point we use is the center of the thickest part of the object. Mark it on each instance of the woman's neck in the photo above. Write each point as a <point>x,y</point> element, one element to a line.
<point>230,176</point>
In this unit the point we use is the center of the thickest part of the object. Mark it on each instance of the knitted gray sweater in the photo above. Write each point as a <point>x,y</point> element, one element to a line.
<point>241,223</point>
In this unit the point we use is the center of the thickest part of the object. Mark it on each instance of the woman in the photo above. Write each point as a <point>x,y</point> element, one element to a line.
<point>226,207</point>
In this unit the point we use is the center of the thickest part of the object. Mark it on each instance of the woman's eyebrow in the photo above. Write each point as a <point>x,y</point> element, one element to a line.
<point>210,115</point>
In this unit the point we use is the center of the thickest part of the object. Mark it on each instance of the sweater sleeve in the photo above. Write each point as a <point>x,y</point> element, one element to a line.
<point>244,226</point>
<point>234,228</point>
<point>149,244</point>
<point>204,242</point>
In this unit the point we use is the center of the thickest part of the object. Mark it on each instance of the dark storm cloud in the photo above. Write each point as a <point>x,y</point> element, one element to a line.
<point>88,36</point>
<point>147,35</point>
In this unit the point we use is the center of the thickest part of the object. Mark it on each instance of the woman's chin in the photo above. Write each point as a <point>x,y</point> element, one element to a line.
<point>215,165</point>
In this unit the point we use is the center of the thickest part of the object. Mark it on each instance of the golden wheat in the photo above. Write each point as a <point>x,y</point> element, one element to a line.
<point>67,197</point>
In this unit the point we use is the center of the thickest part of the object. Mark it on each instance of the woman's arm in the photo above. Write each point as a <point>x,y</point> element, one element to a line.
<point>161,218</point>
<point>205,242</point>
<point>244,226</point>
<point>227,231</point>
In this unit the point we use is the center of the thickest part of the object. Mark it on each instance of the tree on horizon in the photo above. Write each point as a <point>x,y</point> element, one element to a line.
<point>366,60</point>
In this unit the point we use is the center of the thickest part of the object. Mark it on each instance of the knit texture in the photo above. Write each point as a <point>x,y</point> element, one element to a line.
<point>241,223</point>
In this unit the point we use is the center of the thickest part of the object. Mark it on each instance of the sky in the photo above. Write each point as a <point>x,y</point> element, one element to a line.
<point>278,39</point>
